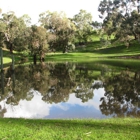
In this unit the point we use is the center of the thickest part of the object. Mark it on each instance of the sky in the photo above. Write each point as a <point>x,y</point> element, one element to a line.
<point>34,7</point>
<point>37,108</point>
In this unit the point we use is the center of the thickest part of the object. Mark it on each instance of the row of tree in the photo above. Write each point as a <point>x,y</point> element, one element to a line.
<point>54,32</point>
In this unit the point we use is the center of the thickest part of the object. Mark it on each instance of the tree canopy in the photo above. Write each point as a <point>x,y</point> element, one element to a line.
<point>121,18</point>
<point>61,30</point>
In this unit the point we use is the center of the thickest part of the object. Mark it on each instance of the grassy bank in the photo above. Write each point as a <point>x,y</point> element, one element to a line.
<point>108,129</point>
<point>87,53</point>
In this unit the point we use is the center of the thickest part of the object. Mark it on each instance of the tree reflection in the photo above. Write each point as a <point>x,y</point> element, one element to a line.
<point>83,89</point>
<point>84,93</point>
<point>122,95</point>
<point>56,81</point>
<point>2,111</point>
<point>61,82</point>
<point>16,85</point>
<point>2,82</point>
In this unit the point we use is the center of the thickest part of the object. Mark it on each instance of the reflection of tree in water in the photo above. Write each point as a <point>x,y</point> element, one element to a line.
<point>54,81</point>
<point>61,83</point>
<point>28,77</point>
<point>84,93</point>
<point>2,111</point>
<point>16,85</point>
<point>83,89</point>
<point>68,78</point>
<point>39,75</point>
<point>122,95</point>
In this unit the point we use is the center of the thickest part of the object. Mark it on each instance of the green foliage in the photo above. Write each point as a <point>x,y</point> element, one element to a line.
<point>121,19</point>
<point>13,32</point>
<point>60,30</point>
<point>38,40</point>
<point>83,21</point>
<point>58,33</point>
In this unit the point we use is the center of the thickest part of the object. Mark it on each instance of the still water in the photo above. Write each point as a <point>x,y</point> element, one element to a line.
<point>100,89</point>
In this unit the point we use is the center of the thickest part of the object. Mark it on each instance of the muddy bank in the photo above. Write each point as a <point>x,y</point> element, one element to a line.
<point>129,57</point>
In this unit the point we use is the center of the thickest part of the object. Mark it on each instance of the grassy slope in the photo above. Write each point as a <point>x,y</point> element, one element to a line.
<point>7,57</point>
<point>89,53</point>
<point>26,129</point>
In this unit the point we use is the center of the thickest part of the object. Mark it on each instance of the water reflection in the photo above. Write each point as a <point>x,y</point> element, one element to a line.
<point>69,90</point>
<point>122,94</point>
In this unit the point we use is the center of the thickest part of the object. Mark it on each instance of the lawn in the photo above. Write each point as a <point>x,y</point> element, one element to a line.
<point>88,129</point>
<point>88,53</point>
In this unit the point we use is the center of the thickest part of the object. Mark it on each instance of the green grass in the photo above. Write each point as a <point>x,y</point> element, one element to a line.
<point>7,56</point>
<point>107,129</point>
<point>88,53</point>
<point>7,60</point>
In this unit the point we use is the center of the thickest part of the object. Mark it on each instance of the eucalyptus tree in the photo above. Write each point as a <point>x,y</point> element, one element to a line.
<point>9,29</point>
<point>61,30</point>
<point>12,31</point>
<point>38,42</point>
<point>97,31</point>
<point>83,22</point>
<point>96,25</point>
<point>118,15</point>
<point>21,42</point>
<point>27,20</point>
<point>5,21</point>
<point>134,22</point>
<point>131,25</point>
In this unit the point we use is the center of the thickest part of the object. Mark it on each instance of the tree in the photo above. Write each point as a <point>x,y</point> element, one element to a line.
<point>132,25</point>
<point>61,30</point>
<point>12,32</point>
<point>10,27</point>
<point>83,21</point>
<point>119,19</point>
<point>96,25</point>
<point>21,42</point>
<point>38,42</point>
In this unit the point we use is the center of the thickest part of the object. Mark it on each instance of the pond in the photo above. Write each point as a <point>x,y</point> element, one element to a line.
<point>98,89</point>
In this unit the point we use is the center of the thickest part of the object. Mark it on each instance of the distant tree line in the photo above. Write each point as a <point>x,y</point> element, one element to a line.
<point>54,32</point>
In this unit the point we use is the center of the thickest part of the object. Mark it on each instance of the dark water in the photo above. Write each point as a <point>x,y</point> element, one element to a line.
<point>71,90</point>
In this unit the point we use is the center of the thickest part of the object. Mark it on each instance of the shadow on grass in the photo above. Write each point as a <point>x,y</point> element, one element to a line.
<point>110,125</point>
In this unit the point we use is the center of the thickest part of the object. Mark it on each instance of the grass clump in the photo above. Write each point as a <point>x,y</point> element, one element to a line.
<point>106,129</point>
